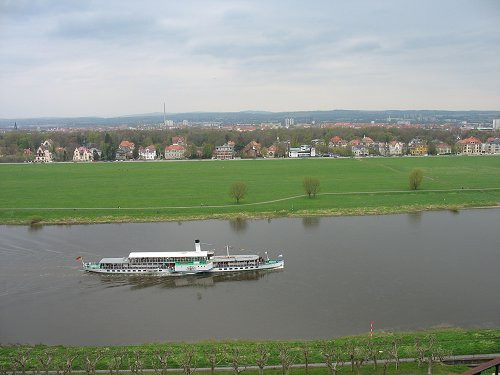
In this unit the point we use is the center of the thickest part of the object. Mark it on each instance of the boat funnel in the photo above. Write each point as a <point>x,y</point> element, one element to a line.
<point>197,246</point>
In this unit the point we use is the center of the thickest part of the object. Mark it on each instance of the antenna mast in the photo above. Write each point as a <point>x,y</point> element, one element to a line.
<point>164,120</point>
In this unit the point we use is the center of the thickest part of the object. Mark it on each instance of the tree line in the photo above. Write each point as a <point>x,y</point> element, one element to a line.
<point>13,143</point>
<point>355,354</point>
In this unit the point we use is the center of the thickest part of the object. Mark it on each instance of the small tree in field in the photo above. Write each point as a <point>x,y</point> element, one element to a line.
<point>415,178</point>
<point>238,190</point>
<point>311,186</point>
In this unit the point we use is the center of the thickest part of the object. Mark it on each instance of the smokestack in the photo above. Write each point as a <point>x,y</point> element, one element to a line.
<point>197,246</point>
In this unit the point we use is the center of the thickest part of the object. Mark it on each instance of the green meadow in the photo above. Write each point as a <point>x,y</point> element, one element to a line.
<point>184,190</point>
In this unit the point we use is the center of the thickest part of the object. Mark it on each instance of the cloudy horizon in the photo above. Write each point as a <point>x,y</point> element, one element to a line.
<point>92,58</point>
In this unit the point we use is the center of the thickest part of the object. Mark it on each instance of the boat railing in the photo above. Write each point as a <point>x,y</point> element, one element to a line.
<point>192,263</point>
<point>91,265</point>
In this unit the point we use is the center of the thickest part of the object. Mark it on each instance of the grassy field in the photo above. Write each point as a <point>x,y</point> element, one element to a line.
<point>142,191</point>
<point>452,341</point>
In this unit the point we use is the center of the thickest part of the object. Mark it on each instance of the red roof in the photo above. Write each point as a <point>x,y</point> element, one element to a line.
<point>127,144</point>
<point>175,147</point>
<point>470,140</point>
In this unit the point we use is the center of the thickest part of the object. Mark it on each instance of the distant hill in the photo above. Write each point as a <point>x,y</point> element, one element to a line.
<point>257,117</point>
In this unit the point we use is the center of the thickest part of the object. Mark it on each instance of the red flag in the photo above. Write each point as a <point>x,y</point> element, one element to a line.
<point>79,258</point>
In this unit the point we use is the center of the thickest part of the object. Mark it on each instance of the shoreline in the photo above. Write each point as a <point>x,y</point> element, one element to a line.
<point>451,341</point>
<point>39,221</point>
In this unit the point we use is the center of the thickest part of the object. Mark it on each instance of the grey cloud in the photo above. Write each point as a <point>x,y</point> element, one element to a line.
<point>36,8</point>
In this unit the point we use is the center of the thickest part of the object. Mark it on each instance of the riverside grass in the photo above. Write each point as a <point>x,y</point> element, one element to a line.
<point>187,190</point>
<point>454,341</point>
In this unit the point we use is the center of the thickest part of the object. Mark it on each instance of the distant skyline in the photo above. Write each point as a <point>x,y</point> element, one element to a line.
<point>112,58</point>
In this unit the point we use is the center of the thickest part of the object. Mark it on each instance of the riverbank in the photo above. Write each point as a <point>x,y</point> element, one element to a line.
<point>37,220</point>
<point>380,346</point>
<point>151,192</point>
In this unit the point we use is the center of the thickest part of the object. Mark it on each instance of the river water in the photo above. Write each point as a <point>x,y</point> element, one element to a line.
<point>403,272</point>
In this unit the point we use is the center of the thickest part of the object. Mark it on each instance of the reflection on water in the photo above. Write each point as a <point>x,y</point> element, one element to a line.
<point>310,221</point>
<point>415,217</point>
<point>200,280</point>
<point>239,224</point>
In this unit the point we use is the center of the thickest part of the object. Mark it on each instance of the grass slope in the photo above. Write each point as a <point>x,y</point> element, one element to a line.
<point>142,191</point>
<point>453,341</point>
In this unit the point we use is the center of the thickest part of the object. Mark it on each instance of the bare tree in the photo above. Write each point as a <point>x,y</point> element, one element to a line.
<point>116,362</point>
<point>90,362</point>
<point>187,360</point>
<point>333,357</point>
<point>351,350</point>
<point>238,190</point>
<point>286,358</point>
<point>430,351</point>
<point>420,350</point>
<point>372,351</point>
<point>360,356</point>
<point>262,358</point>
<point>46,359</point>
<point>236,359</point>
<point>68,364</point>
<point>386,360</point>
<point>137,365</point>
<point>20,360</point>
<point>311,186</point>
<point>306,352</point>
<point>394,351</point>
<point>160,362</point>
<point>214,358</point>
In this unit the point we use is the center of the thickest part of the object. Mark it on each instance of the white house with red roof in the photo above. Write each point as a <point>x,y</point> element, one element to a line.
<point>181,141</point>
<point>336,141</point>
<point>147,153</point>
<point>43,154</point>
<point>83,154</point>
<point>125,150</point>
<point>396,148</point>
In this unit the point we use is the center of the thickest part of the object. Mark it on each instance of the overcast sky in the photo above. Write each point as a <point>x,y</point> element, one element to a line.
<point>117,57</point>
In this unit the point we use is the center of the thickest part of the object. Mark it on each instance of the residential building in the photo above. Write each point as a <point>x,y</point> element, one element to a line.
<point>181,141</point>
<point>125,150</point>
<point>147,153</point>
<point>226,151</point>
<point>418,147</point>
<point>367,141</point>
<point>491,146</point>
<point>271,151</point>
<point>336,141</point>
<point>442,148</point>
<point>43,154</point>
<point>82,154</point>
<point>358,148</point>
<point>303,151</point>
<point>252,150</point>
<point>175,152</point>
<point>469,146</point>
<point>396,148</point>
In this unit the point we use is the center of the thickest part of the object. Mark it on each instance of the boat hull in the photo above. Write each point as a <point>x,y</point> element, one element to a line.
<point>268,265</point>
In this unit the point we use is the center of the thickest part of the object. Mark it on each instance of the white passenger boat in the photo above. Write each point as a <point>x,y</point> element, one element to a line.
<point>182,263</point>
